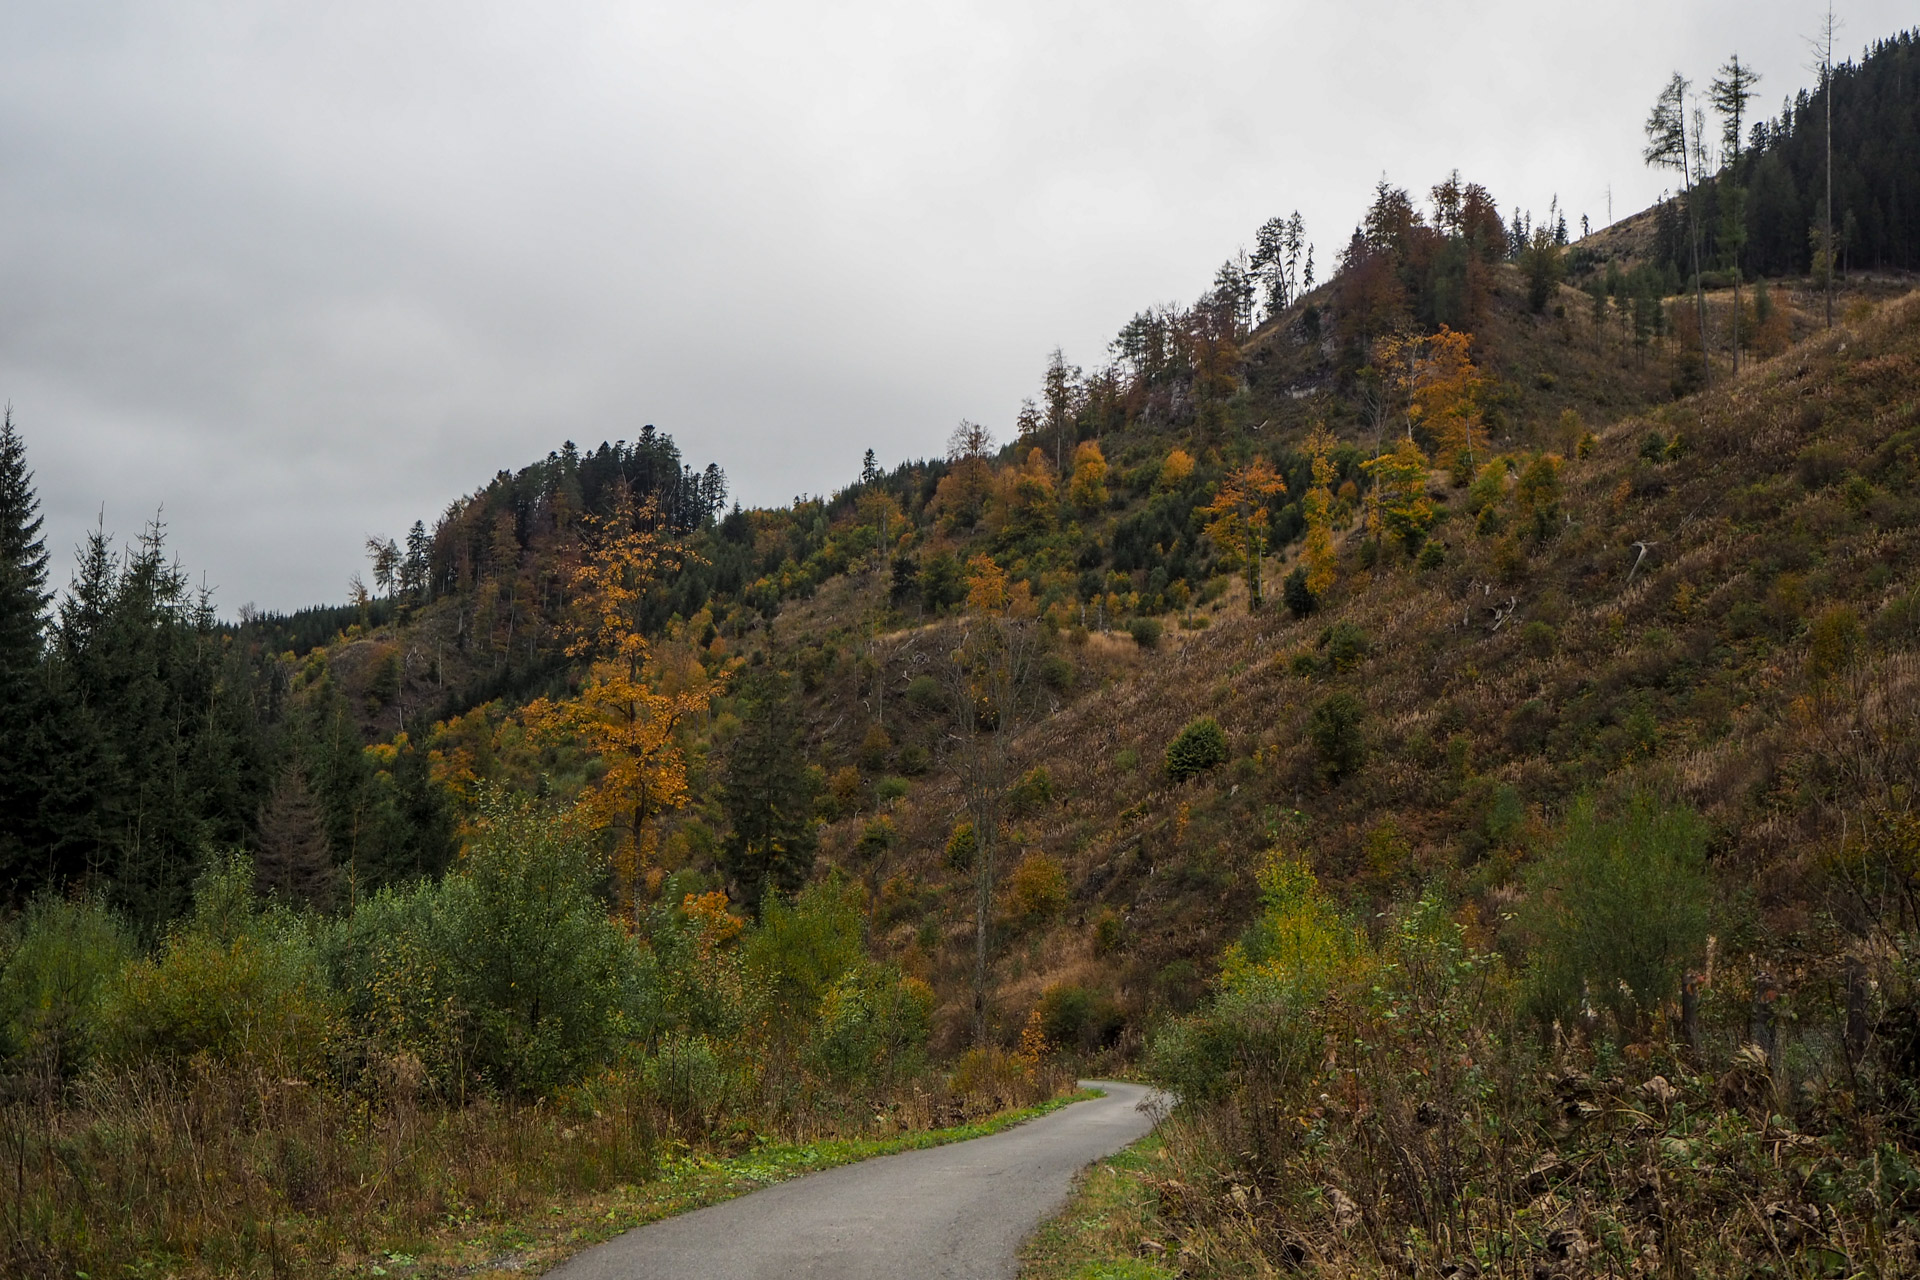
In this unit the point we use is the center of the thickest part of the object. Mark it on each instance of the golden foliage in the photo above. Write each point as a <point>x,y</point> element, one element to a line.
<point>1444,398</point>
<point>1400,503</point>
<point>1175,470</point>
<point>1317,507</point>
<point>625,712</point>
<point>1237,518</point>
<point>1088,488</point>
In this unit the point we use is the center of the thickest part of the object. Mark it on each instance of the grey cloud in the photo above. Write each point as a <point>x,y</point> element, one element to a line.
<point>304,273</point>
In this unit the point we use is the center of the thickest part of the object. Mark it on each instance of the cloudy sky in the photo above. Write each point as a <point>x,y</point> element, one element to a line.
<point>301,273</point>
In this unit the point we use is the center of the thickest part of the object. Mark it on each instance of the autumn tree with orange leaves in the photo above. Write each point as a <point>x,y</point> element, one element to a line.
<point>627,711</point>
<point>1445,396</point>
<point>1238,521</point>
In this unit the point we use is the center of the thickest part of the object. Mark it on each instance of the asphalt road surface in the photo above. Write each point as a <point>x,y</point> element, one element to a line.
<point>955,1211</point>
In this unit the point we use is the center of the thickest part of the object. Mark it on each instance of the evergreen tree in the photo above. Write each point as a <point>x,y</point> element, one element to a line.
<point>767,796</point>
<point>293,861</point>
<point>23,605</point>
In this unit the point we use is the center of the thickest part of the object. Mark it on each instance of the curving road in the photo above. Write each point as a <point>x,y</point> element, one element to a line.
<point>955,1211</point>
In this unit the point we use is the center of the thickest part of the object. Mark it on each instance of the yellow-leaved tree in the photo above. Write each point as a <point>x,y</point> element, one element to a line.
<point>1237,519</point>
<point>1446,396</point>
<point>628,710</point>
<point>1088,488</point>
<point>1400,503</point>
<point>1317,506</point>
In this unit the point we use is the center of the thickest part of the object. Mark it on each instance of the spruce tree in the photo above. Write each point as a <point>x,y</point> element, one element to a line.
<point>294,861</point>
<point>23,606</point>
<point>767,796</point>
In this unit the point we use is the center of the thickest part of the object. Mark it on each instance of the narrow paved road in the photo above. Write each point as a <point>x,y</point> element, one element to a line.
<point>955,1211</point>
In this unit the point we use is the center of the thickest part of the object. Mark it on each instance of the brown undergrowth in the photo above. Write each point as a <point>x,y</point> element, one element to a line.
<point>208,1170</point>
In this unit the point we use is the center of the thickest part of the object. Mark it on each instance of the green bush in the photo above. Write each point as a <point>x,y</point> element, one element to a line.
<point>925,693</point>
<point>961,847</point>
<point>65,952</point>
<point>873,1027</point>
<point>1201,746</point>
<point>1077,1020</point>
<point>1297,595</point>
<point>1145,632</point>
<point>1616,910</point>
<point>1539,639</point>
<point>1346,645</point>
<point>887,790</point>
<point>803,948</point>
<point>1260,1034</point>
<point>1339,744</point>
<point>513,948</point>
<point>232,982</point>
<point>1033,791</point>
<point>687,1077</point>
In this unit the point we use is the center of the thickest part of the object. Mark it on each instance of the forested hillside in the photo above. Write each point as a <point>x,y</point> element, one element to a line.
<point>1507,642</point>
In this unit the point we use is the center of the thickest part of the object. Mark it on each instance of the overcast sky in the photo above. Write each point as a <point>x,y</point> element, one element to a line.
<point>301,273</point>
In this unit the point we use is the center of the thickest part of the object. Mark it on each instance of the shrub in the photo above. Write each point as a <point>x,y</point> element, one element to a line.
<point>1201,746</point>
<point>1075,1019</point>
<point>1037,887</point>
<point>1653,447</point>
<point>1831,641</point>
<point>1334,727</point>
<point>875,747</point>
<point>67,952</point>
<point>1346,645</point>
<point>846,792</point>
<point>1297,595</point>
<point>1260,1034</point>
<point>1145,632</point>
<point>887,790</point>
<point>545,986</point>
<point>230,982</point>
<point>1109,933</point>
<point>925,693</point>
<point>1821,464</point>
<point>1616,909</point>
<point>803,948</point>
<point>1056,672</point>
<point>914,760</point>
<point>1538,639</point>
<point>687,1078</point>
<point>1433,555</point>
<point>1033,790</point>
<point>873,1027</point>
<point>961,847</point>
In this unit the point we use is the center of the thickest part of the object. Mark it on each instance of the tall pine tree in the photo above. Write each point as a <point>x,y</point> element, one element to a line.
<point>23,607</point>
<point>767,796</point>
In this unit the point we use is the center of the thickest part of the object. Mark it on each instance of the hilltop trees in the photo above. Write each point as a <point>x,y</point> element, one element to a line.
<point>1730,93</point>
<point>1671,146</point>
<point>1280,252</point>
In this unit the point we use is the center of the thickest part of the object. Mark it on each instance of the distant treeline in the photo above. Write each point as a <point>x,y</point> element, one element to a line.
<point>1778,185</point>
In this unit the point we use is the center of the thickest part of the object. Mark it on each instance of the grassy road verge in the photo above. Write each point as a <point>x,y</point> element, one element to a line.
<point>546,1235</point>
<point>1110,1229</point>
